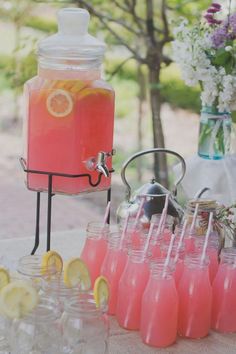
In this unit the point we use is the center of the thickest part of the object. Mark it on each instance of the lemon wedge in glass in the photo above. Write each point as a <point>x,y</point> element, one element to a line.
<point>76,272</point>
<point>4,277</point>
<point>18,299</point>
<point>51,262</point>
<point>101,292</point>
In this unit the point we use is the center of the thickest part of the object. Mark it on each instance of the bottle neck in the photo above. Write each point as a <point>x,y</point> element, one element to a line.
<point>114,240</point>
<point>97,230</point>
<point>158,270</point>
<point>137,256</point>
<point>228,255</point>
<point>195,262</point>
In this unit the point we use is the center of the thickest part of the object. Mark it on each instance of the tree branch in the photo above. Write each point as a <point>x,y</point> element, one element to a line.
<point>150,22</point>
<point>119,67</point>
<point>120,40</point>
<point>165,21</point>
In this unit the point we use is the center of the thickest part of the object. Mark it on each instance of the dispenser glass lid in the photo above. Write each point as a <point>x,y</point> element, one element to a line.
<point>72,41</point>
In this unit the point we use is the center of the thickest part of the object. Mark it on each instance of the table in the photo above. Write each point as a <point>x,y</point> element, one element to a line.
<point>69,244</point>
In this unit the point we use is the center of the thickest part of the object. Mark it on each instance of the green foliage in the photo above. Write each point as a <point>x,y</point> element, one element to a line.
<point>175,91</point>
<point>40,24</point>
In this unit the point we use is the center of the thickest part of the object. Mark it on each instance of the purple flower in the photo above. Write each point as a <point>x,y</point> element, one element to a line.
<point>220,36</point>
<point>232,23</point>
<point>216,6</point>
<point>212,10</point>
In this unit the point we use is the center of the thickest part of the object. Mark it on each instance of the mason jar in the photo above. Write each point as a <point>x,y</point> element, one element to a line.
<point>38,332</point>
<point>85,326</point>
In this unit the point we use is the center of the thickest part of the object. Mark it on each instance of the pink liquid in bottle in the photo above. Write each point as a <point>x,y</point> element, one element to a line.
<point>112,268</point>
<point>132,284</point>
<point>224,290</point>
<point>195,299</point>
<point>70,111</point>
<point>95,248</point>
<point>159,315</point>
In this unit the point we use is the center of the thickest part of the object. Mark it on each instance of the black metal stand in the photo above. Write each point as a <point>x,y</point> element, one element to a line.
<point>51,194</point>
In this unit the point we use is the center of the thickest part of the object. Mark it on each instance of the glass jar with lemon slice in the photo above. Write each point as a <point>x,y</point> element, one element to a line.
<point>70,110</point>
<point>74,279</point>
<point>85,323</point>
<point>38,332</point>
<point>38,267</point>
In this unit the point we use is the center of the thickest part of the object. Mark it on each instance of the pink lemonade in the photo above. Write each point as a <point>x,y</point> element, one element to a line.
<point>195,299</point>
<point>69,110</point>
<point>224,290</point>
<point>68,144</point>
<point>132,284</point>
<point>159,315</point>
<point>112,268</point>
<point>95,248</point>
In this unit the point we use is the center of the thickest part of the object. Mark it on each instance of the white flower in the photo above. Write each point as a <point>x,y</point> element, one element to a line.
<point>228,48</point>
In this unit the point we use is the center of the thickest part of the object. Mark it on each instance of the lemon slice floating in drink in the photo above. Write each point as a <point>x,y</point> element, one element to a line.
<point>4,277</point>
<point>76,272</point>
<point>17,299</point>
<point>59,103</point>
<point>101,292</point>
<point>51,261</point>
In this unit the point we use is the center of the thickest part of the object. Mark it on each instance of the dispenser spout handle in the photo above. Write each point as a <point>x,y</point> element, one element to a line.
<point>101,164</point>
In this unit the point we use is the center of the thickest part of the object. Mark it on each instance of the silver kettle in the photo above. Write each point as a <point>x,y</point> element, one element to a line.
<point>153,192</point>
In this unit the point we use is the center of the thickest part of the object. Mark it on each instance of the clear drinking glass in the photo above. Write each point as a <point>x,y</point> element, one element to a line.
<point>30,268</point>
<point>85,327</point>
<point>56,290</point>
<point>37,333</point>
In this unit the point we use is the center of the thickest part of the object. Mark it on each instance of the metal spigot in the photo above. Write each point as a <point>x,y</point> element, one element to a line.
<point>101,164</point>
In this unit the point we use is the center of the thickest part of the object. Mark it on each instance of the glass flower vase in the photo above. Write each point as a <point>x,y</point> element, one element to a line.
<point>214,133</point>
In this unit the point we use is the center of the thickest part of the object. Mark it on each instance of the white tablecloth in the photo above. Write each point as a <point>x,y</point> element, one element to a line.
<point>69,244</point>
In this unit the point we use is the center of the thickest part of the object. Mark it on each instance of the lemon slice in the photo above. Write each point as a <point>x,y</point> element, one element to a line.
<point>51,261</point>
<point>95,92</point>
<point>59,103</point>
<point>18,299</point>
<point>4,277</point>
<point>76,272</point>
<point>101,291</point>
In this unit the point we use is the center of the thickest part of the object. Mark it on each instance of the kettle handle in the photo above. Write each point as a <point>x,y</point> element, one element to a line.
<point>145,152</point>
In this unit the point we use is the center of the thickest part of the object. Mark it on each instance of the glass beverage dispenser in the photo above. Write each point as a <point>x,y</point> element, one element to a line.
<point>70,110</point>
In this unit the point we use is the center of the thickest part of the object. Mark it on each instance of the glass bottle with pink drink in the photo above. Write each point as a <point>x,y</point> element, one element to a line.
<point>95,248</point>
<point>224,293</point>
<point>159,314</point>
<point>195,299</point>
<point>212,252</point>
<point>112,268</point>
<point>131,287</point>
<point>69,110</point>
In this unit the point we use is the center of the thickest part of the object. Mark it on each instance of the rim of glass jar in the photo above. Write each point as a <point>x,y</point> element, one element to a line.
<point>193,260</point>
<point>56,286</point>
<point>94,229</point>
<point>31,266</point>
<point>228,254</point>
<point>84,304</point>
<point>75,62</point>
